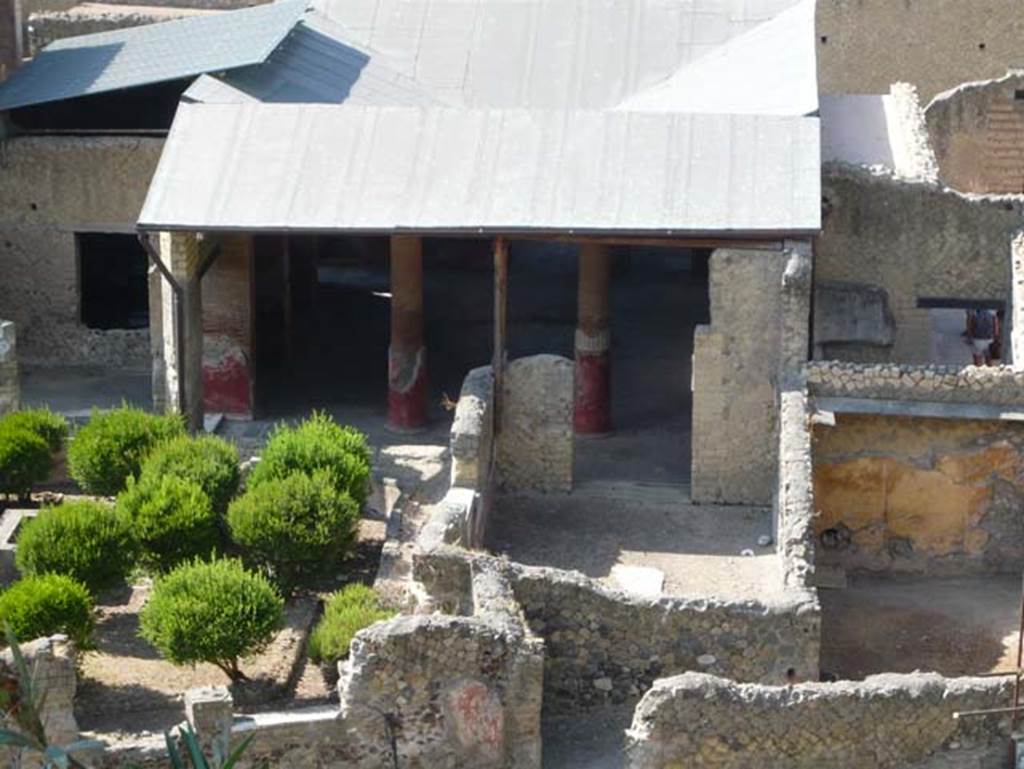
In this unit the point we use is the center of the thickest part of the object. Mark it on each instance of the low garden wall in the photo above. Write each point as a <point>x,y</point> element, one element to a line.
<point>10,390</point>
<point>884,722</point>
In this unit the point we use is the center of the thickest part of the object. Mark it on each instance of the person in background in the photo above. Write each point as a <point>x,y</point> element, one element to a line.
<point>981,333</point>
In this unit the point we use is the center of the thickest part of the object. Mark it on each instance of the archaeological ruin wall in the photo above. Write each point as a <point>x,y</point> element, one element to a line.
<point>10,384</point>
<point>55,187</point>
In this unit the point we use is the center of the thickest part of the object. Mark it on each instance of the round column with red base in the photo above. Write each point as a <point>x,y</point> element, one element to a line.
<point>407,369</point>
<point>593,415</point>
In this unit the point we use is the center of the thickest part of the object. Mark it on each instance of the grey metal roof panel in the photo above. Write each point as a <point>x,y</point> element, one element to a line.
<point>768,70</point>
<point>124,58</point>
<point>385,169</point>
<point>315,64</point>
<point>544,53</point>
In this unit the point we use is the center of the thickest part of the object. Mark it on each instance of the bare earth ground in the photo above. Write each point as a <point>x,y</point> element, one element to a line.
<point>698,547</point>
<point>959,626</point>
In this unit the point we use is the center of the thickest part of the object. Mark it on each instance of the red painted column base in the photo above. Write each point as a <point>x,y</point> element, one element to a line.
<point>227,386</point>
<point>593,414</point>
<point>407,390</point>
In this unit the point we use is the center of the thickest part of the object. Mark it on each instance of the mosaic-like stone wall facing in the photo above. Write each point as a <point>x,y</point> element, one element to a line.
<point>10,387</point>
<point>996,385</point>
<point>603,646</point>
<point>884,722</point>
<point>535,440</point>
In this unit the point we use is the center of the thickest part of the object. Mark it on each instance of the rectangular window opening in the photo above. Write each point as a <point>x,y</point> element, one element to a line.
<point>965,331</point>
<point>113,288</point>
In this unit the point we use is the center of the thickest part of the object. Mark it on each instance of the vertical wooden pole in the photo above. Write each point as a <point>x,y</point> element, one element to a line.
<point>500,323</point>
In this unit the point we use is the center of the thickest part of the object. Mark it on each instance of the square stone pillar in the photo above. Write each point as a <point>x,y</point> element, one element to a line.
<point>10,387</point>
<point>182,327</point>
<point>1015,316</point>
<point>228,318</point>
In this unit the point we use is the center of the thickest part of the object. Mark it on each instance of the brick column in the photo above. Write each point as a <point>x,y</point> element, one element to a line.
<point>180,252</point>
<point>10,37</point>
<point>407,370</point>
<point>228,329</point>
<point>593,342</point>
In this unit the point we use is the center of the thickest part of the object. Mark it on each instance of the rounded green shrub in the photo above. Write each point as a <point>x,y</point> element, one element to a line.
<point>25,460</point>
<point>318,443</point>
<point>89,541</point>
<point>346,613</point>
<point>210,461</point>
<point>295,527</point>
<point>52,428</point>
<point>48,604</point>
<point>172,519</point>
<point>214,612</point>
<point>112,446</point>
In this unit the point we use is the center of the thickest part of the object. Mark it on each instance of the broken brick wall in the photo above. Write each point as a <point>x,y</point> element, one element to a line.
<point>936,496</point>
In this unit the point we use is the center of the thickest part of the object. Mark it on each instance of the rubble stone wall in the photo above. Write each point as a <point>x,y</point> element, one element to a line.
<point>10,386</point>
<point>991,385</point>
<point>53,187</point>
<point>735,368</point>
<point>603,646</point>
<point>535,438</point>
<point>913,241</point>
<point>884,722</point>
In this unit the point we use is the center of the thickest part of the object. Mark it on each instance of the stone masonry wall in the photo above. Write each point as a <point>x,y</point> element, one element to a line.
<point>604,646</point>
<point>913,241</point>
<point>535,439</point>
<point>53,187</point>
<point>735,368</point>
<point>884,722</point>
<point>10,386</point>
<point>935,496</point>
<point>993,385</point>
<point>977,130</point>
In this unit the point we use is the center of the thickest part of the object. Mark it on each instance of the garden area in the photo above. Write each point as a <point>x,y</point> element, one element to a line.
<point>171,563</point>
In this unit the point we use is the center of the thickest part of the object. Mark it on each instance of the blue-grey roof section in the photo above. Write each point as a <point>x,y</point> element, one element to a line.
<point>319,167</point>
<point>315,64</point>
<point>155,53</point>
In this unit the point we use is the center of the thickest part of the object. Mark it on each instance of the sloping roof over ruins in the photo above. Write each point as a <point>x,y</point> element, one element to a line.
<point>768,70</point>
<point>385,169</point>
<point>156,53</point>
<point>314,64</point>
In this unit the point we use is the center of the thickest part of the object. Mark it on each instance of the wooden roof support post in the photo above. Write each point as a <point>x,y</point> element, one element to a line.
<point>500,323</point>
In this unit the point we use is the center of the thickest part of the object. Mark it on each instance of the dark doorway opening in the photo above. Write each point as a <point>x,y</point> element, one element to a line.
<point>113,289</point>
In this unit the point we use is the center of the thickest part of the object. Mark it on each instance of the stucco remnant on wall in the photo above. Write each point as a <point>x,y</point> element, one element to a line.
<point>935,496</point>
<point>884,722</point>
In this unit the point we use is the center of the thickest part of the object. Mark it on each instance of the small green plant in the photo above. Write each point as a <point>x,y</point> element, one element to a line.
<point>318,443</point>
<point>51,427</point>
<point>295,527</point>
<point>346,613</point>
<point>208,460</point>
<point>172,520</point>
<point>48,604</point>
<point>21,701</point>
<point>212,611</point>
<point>194,751</point>
<point>89,541</point>
<point>112,446</point>
<point>25,460</point>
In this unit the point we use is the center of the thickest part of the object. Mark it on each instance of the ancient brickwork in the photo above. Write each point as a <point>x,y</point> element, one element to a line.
<point>884,722</point>
<point>604,646</point>
<point>535,439</point>
<point>912,241</point>
<point>53,186</point>
<point>735,366</point>
<point>228,329</point>
<point>995,385</point>
<point>977,130</point>
<point>10,386</point>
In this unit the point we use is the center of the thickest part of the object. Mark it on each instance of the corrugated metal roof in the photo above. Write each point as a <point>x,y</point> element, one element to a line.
<point>382,169</point>
<point>315,64</point>
<point>154,53</point>
<point>768,70</point>
<point>544,53</point>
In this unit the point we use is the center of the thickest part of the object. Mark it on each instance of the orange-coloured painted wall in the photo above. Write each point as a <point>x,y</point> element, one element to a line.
<point>919,495</point>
